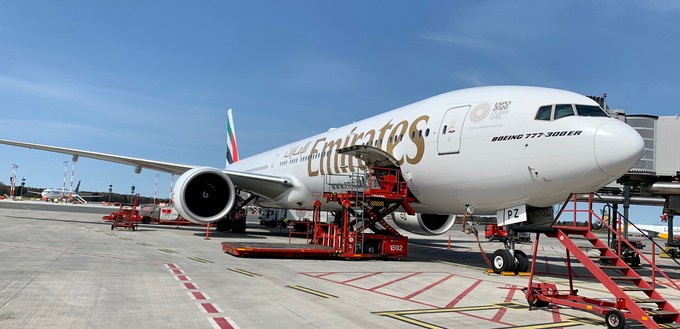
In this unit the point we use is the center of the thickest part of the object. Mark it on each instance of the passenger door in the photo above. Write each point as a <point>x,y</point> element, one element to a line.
<point>451,129</point>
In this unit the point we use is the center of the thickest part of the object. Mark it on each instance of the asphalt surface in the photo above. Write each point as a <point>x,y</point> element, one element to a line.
<point>61,266</point>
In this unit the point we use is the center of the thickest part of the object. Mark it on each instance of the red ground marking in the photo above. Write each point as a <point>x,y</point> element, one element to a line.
<point>359,278</point>
<point>501,312</point>
<point>171,265</point>
<point>319,275</point>
<point>177,271</point>
<point>190,285</point>
<point>183,278</point>
<point>210,308</point>
<point>222,323</point>
<point>198,295</point>
<point>463,294</point>
<point>394,281</point>
<point>556,314</point>
<point>428,287</point>
<point>314,275</point>
<point>486,319</point>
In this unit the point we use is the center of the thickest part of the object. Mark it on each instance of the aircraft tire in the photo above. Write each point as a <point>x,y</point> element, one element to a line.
<point>522,261</point>
<point>501,261</point>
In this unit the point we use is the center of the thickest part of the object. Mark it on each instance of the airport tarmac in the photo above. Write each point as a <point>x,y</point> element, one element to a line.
<point>63,267</point>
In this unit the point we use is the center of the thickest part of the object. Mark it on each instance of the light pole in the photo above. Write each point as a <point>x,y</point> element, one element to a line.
<point>155,186</point>
<point>110,190</point>
<point>12,180</point>
<point>63,187</point>
<point>23,183</point>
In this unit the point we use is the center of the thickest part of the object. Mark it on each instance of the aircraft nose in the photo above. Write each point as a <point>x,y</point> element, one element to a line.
<point>618,147</point>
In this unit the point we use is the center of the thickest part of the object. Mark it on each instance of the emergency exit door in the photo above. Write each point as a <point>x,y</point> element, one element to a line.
<point>450,130</point>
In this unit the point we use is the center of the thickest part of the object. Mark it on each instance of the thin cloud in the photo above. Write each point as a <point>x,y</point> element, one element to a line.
<point>662,6</point>
<point>470,79</point>
<point>479,45</point>
<point>327,74</point>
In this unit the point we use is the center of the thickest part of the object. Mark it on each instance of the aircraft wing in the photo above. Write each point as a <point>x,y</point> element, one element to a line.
<point>264,185</point>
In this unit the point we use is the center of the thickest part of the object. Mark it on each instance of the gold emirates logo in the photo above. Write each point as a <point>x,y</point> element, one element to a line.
<point>323,158</point>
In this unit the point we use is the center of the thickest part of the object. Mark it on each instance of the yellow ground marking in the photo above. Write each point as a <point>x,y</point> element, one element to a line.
<point>200,260</point>
<point>168,251</point>
<point>244,272</point>
<point>312,291</point>
<point>404,316</point>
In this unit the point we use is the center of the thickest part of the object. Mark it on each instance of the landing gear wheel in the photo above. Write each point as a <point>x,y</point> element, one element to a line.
<point>522,262</point>
<point>614,319</point>
<point>112,226</point>
<point>502,260</point>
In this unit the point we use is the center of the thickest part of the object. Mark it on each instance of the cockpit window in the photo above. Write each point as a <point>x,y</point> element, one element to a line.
<point>563,110</point>
<point>558,111</point>
<point>590,111</point>
<point>544,113</point>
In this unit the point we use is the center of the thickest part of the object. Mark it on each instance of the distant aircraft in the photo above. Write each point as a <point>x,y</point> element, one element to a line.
<point>58,193</point>
<point>492,150</point>
<point>660,230</point>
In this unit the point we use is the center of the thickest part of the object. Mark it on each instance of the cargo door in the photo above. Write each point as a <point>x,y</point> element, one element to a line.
<point>451,129</point>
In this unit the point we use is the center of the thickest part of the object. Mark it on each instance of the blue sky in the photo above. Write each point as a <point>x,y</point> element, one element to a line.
<point>153,79</point>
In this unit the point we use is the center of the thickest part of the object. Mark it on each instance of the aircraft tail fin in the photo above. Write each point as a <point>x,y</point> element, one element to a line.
<point>77,187</point>
<point>232,148</point>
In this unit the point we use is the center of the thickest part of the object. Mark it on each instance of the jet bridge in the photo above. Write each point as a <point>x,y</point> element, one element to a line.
<point>655,179</point>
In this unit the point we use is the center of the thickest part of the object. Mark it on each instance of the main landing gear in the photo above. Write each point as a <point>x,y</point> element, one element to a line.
<point>505,261</point>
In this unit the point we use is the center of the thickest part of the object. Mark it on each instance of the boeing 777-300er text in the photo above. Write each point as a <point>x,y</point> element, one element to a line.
<point>487,149</point>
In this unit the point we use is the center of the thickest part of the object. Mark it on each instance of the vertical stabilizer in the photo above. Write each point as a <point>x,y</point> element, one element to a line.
<point>77,187</point>
<point>232,148</point>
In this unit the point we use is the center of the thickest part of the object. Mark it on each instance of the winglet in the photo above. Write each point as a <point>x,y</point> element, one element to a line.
<point>232,148</point>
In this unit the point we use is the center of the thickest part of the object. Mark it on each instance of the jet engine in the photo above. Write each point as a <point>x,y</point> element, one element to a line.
<point>203,195</point>
<point>424,224</point>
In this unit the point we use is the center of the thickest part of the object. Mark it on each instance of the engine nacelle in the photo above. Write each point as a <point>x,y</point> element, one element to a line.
<point>424,224</point>
<point>203,195</point>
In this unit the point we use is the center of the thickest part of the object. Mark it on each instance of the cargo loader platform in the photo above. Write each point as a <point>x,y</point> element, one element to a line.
<point>283,250</point>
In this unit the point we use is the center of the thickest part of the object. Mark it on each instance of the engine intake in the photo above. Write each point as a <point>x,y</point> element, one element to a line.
<point>203,195</point>
<point>424,224</point>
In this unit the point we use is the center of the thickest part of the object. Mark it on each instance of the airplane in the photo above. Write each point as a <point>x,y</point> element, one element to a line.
<point>58,193</point>
<point>487,150</point>
<point>655,230</point>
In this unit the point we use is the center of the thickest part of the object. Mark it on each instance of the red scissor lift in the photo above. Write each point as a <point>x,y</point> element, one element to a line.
<point>380,193</point>
<point>635,297</point>
<point>383,192</point>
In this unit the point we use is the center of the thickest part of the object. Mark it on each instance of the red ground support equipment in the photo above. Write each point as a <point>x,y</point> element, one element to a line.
<point>634,297</point>
<point>375,196</point>
<point>126,217</point>
<point>495,232</point>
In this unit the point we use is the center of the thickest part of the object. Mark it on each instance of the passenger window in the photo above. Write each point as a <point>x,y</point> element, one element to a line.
<point>544,113</point>
<point>563,110</point>
<point>590,111</point>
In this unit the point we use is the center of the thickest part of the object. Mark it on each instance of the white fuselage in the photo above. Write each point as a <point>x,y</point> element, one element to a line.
<point>52,193</point>
<point>481,147</point>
